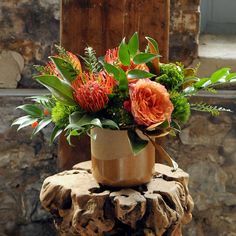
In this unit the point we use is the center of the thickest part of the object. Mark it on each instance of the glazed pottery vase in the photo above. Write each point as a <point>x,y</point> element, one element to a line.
<point>113,163</point>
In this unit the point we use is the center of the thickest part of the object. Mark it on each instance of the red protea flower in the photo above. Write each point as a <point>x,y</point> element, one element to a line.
<point>111,56</point>
<point>91,90</point>
<point>73,60</point>
<point>51,69</point>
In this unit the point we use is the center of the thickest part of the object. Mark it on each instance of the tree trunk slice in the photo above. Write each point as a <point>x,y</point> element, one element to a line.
<point>80,206</point>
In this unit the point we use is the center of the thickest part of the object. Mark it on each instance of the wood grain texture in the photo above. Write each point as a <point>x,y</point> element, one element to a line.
<point>81,207</point>
<point>103,23</point>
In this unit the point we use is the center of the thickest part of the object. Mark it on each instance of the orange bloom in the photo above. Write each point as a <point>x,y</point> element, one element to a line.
<point>91,90</point>
<point>34,124</point>
<point>150,102</point>
<point>75,62</point>
<point>51,69</point>
<point>111,56</point>
<point>46,112</point>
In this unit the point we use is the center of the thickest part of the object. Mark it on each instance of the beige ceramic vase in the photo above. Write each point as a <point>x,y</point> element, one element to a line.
<point>113,163</point>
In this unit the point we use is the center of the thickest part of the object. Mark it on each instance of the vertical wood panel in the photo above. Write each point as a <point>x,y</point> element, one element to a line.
<point>103,23</point>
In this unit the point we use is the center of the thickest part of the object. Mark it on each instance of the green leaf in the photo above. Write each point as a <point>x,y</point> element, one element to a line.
<point>31,109</point>
<point>153,43</point>
<point>65,69</point>
<point>93,136</point>
<point>189,91</point>
<point>124,53</point>
<point>201,82</point>
<point>139,74</point>
<point>27,123</point>
<point>43,123</point>
<point>144,58</point>
<point>133,44</point>
<point>112,70</point>
<point>61,90</point>
<point>219,74</point>
<point>107,123</point>
<point>55,133</point>
<point>123,80</point>
<point>21,120</point>
<point>230,76</point>
<point>137,144</point>
<point>83,121</point>
<point>75,116</point>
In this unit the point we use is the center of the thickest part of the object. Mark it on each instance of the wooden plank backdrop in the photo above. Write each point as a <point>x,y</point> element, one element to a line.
<point>102,24</point>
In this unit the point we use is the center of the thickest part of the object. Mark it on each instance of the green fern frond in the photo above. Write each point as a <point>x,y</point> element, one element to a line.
<point>62,51</point>
<point>91,62</point>
<point>212,90</point>
<point>40,69</point>
<point>203,107</point>
<point>45,101</point>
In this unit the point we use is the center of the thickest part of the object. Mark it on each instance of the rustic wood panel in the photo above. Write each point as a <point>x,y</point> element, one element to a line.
<point>103,23</point>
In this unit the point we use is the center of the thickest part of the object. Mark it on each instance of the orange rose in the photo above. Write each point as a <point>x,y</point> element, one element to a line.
<point>150,102</point>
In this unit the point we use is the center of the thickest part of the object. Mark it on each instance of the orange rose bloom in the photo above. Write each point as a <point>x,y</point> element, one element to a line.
<point>150,102</point>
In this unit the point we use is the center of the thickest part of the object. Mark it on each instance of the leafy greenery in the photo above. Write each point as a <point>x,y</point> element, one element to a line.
<point>91,62</point>
<point>203,107</point>
<point>111,86</point>
<point>171,76</point>
<point>181,108</point>
<point>61,112</point>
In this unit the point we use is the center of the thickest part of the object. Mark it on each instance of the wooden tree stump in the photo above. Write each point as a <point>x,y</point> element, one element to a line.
<point>80,206</point>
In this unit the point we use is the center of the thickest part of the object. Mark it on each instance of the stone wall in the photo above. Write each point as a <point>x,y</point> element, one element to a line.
<point>24,164</point>
<point>206,150</point>
<point>184,30</point>
<point>29,29</point>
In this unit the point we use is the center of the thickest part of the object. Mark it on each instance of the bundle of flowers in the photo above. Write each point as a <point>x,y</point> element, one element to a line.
<point>126,89</point>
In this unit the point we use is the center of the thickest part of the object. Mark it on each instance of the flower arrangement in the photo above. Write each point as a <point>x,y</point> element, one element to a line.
<point>126,89</point>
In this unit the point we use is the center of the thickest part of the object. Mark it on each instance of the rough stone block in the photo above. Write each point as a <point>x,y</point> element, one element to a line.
<point>11,67</point>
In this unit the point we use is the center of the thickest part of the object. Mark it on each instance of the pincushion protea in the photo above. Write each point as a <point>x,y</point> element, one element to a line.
<point>91,90</point>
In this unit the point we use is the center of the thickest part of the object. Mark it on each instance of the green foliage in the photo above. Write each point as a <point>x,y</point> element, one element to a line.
<point>203,107</point>
<point>181,111</point>
<point>60,114</point>
<point>61,90</point>
<point>133,45</point>
<point>65,69</point>
<point>42,124</point>
<point>137,144</point>
<point>32,110</point>
<point>115,111</point>
<point>45,101</point>
<point>171,76</point>
<point>222,75</point>
<point>90,60</point>
<point>144,58</point>
<point>152,43</point>
<point>139,74</point>
<point>123,53</point>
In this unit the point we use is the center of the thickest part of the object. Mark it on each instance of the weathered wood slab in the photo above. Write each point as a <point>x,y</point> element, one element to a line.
<point>81,207</point>
<point>103,23</point>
